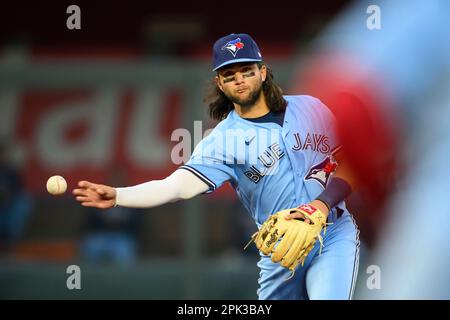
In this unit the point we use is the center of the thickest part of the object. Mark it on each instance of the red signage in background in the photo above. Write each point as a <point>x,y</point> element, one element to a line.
<point>115,136</point>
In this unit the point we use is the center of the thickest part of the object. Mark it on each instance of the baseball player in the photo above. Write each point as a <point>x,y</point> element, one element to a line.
<point>281,156</point>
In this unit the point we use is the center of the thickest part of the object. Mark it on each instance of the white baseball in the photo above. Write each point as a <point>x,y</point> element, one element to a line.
<point>56,185</point>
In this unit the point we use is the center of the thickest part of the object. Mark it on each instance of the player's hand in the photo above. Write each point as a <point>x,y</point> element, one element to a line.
<point>298,215</point>
<point>289,241</point>
<point>95,195</point>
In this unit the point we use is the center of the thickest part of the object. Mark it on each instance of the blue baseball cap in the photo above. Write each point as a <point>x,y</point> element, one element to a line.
<point>235,48</point>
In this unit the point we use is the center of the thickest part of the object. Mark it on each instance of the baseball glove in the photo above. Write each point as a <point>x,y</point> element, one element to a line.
<point>290,241</point>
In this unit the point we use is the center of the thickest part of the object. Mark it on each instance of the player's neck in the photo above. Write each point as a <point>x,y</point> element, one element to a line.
<point>256,110</point>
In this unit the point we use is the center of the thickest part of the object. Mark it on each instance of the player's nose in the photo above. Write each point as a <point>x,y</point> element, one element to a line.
<point>238,78</point>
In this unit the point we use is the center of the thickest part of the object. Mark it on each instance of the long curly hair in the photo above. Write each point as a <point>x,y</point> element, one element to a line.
<point>220,106</point>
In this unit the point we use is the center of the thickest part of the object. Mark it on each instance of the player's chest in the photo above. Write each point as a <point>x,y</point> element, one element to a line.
<point>282,155</point>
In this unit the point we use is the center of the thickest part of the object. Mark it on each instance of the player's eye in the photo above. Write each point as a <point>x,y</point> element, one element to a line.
<point>227,74</point>
<point>228,79</point>
<point>249,74</point>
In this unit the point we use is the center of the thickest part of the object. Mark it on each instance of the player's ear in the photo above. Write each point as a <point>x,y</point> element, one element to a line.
<point>217,80</point>
<point>263,71</point>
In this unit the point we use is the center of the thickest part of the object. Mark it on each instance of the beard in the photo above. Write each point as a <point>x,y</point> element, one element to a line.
<point>251,99</point>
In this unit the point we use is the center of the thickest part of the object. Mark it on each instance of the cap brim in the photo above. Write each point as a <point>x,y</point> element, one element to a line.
<point>236,61</point>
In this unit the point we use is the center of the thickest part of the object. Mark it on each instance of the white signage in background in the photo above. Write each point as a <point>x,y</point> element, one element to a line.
<point>100,117</point>
<point>144,143</point>
<point>9,117</point>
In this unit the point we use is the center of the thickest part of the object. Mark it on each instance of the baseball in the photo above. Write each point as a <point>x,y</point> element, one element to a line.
<point>56,185</point>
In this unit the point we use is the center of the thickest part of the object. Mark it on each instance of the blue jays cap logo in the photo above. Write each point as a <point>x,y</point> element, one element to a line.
<point>233,46</point>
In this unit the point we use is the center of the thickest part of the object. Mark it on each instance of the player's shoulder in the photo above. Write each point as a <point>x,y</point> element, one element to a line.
<point>302,100</point>
<point>305,104</point>
<point>220,129</point>
<point>213,142</point>
<point>229,122</point>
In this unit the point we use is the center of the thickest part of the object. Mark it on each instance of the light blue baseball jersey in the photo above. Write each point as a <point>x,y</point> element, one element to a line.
<point>272,167</point>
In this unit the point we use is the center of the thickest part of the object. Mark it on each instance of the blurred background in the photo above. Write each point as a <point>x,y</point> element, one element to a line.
<point>101,103</point>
